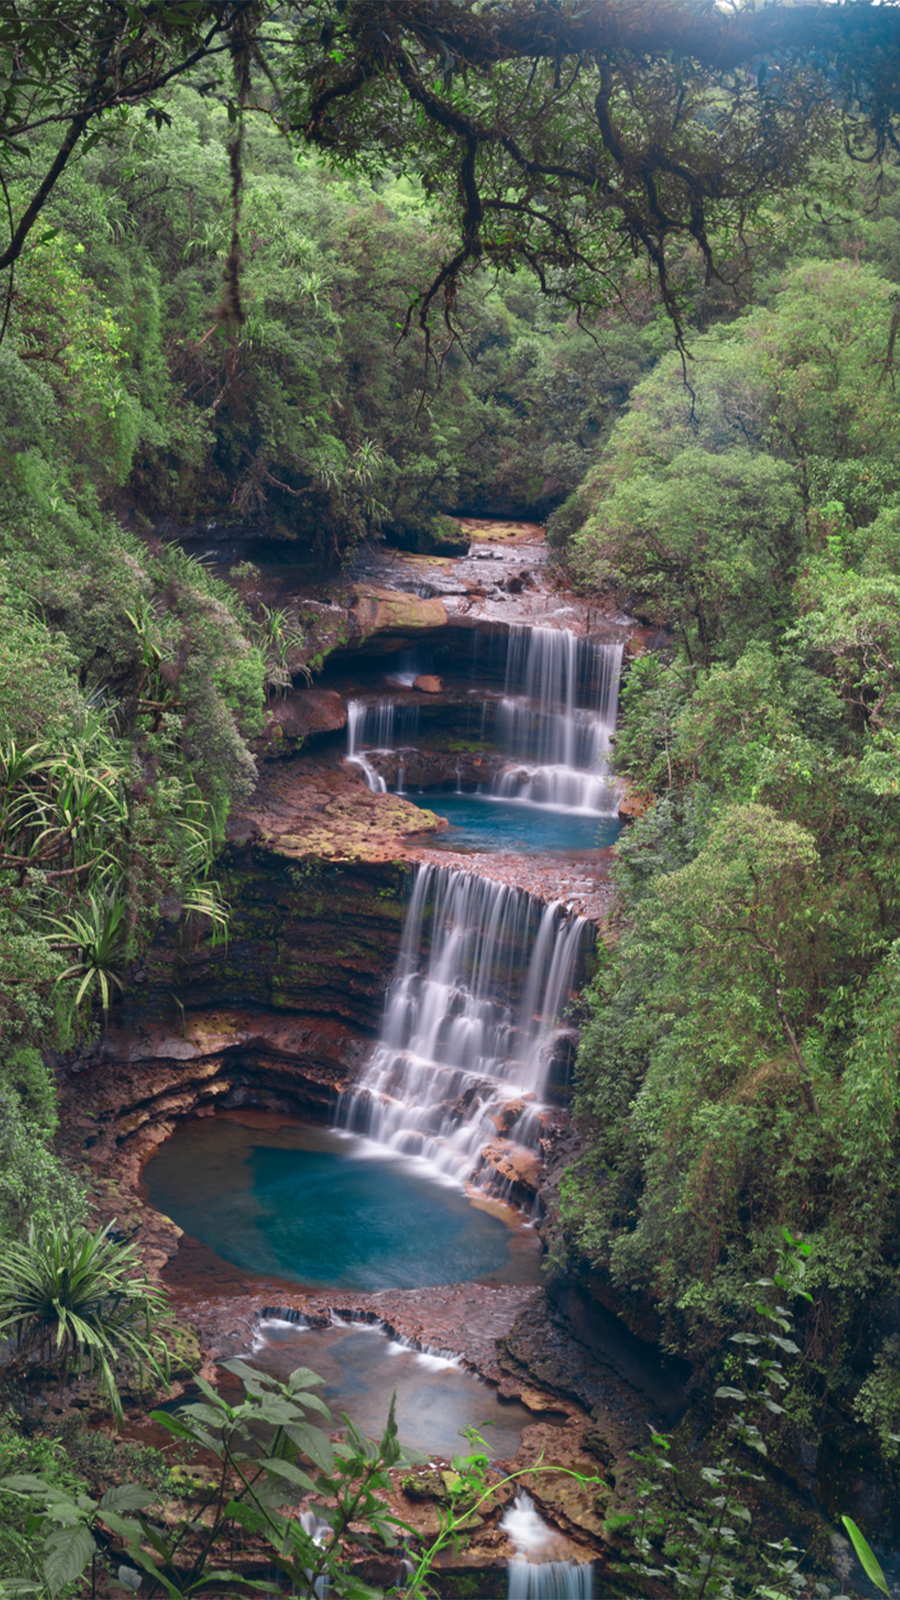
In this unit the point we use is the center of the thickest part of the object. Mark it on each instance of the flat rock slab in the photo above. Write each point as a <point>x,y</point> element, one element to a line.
<point>310,809</point>
<point>463,1319</point>
<point>580,882</point>
<point>382,610</point>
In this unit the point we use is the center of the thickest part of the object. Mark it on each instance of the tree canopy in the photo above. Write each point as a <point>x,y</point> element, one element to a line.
<point>563,136</point>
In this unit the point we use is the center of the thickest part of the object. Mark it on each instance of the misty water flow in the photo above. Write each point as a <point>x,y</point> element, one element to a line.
<point>556,720</point>
<point>535,1573</point>
<point>469,1028</point>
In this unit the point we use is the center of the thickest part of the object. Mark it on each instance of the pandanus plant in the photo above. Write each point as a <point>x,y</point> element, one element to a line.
<point>80,1302</point>
<point>95,931</point>
<point>59,810</point>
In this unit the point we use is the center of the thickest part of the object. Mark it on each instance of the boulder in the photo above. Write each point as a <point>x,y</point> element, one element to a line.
<point>392,611</point>
<point>301,713</point>
<point>514,1163</point>
<point>428,683</point>
<point>634,804</point>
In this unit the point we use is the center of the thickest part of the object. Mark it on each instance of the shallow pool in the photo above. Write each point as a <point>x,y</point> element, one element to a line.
<point>481,822</point>
<point>324,1209</point>
<point>363,1367</point>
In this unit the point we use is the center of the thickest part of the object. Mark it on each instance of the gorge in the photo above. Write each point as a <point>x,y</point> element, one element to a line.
<point>411,993</point>
<point>460,954</point>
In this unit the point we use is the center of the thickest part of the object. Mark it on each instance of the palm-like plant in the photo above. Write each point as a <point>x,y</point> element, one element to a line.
<point>81,1302</point>
<point>97,930</point>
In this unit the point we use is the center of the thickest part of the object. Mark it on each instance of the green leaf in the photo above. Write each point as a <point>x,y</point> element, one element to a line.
<point>303,1378</point>
<point>67,1553</point>
<point>208,1414</point>
<point>287,1470</point>
<point>724,1392</point>
<point>247,1516</point>
<point>212,1396</point>
<point>126,1497</point>
<point>172,1423</point>
<point>314,1443</point>
<point>25,1483</point>
<point>866,1556</point>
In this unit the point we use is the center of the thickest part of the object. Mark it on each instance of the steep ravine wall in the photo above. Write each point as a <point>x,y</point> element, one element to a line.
<point>281,1016</point>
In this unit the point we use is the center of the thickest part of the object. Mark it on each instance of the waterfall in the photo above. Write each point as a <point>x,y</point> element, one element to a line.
<point>556,719</point>
<point>482,975</point>
<point>318,1531</point>
<point>382,726</point>
<point>532,1576</point>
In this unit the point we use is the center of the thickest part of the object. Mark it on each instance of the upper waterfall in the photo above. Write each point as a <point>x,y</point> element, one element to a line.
<point>546,734</point>
<point>556,719</point>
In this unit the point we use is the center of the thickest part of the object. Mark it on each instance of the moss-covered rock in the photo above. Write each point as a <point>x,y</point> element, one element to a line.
<point>391,611</point>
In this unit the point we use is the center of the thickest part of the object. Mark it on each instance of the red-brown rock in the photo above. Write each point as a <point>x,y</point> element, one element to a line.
<point>301,713</point>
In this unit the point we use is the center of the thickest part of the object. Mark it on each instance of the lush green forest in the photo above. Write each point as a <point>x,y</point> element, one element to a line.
<point>713,434</point>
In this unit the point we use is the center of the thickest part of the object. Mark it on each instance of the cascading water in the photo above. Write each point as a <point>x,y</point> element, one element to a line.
<point>379,726</point>
<point>468,1029</point>
<point>318,1531</point>
<point>556,719</point>
<point>533,1574</point>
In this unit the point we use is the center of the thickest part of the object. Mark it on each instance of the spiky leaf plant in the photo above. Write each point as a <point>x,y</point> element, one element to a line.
<point>80,1302</point>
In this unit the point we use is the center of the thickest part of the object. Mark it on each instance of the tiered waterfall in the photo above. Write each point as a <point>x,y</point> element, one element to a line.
<point>554,721</point>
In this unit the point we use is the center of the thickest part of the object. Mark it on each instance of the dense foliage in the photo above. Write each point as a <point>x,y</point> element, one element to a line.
<point>739,1070</point>
<point>127,406</point>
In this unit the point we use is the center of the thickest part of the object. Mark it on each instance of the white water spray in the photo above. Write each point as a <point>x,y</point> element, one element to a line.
<point>533,1573</point>
<point>382,726</point>
<point>556,720</point>
<point>482,975</point>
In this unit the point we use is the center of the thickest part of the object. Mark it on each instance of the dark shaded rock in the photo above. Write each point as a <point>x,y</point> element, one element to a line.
<point>317,940</point>
<point>573,1346</point>
<point>597,1445</point>
<point>302,713</point>
<point>435,770</point>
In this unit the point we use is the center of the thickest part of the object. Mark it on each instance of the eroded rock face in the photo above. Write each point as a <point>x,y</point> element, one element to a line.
<point>431,769</point>
<point>125,1100</point>
<point>516,1167</point>
<point>315,939</point>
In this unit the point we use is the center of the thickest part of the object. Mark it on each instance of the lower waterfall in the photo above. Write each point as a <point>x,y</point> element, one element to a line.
<point>469,1021</point>
<point>533,1574</point>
